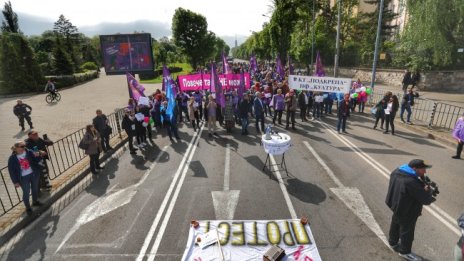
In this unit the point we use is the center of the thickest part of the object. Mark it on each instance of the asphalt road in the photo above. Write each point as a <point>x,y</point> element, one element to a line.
<point>141,206</point>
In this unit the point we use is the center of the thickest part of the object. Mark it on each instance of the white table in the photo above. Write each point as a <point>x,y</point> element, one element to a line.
<point>277,145</point>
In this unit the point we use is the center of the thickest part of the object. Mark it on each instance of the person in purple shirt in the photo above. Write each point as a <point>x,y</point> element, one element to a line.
<point>278,102</point>
<point>458,134</point>
<point>198,96</point>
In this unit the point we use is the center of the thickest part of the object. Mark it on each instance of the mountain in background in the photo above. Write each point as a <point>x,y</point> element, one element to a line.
<point>36,25</point>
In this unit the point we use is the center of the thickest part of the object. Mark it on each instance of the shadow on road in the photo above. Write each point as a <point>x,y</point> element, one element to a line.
<point>305,191</point>
<point>198,169</point>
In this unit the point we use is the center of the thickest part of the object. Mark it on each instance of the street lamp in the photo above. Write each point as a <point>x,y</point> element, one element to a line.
<point>313,33</point>
<point>337,43</point>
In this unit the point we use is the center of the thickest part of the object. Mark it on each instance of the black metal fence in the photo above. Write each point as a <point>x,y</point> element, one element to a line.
<point>434,114</point>
<point>63,154</point>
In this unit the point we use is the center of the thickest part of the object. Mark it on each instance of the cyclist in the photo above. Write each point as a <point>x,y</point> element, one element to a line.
<point>50,88</point>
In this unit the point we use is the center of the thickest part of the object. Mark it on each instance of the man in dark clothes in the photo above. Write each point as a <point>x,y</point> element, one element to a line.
<point>100,122</point>
<point>407,193</point>
<point>35,143</point>
<point>20,110</point>
<point>128,124</point>
<point>406,80</point>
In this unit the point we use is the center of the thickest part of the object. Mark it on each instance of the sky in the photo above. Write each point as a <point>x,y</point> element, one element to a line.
<point>225,17</point>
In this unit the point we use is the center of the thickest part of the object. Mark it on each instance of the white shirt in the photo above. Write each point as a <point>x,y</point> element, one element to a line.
<point>319,98</point>
<point>389,108</point>
<point>306,99</point>
<point>24,164</point>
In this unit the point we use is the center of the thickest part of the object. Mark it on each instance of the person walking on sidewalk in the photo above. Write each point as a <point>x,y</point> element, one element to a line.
<point>408,101</point>
<point>100,122</point>
<point>128,124</point>
<point>291,103</point>
<point>406,195</point>
<point>458,134</point>
<point>343,113</point>
<point>21,111</point>
<point>24,169</point>
<point>406,80</point>
<point>37,144</point>
<point>390,113</point>
<point>93,141</point>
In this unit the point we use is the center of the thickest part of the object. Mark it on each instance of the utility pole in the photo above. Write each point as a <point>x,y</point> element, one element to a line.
<point>337,43</point>
<point>313,33</point>
<point>377,43</point>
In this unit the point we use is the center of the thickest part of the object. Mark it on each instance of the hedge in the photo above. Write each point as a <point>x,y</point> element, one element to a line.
<point>62,81</point>
<point>158,72</point>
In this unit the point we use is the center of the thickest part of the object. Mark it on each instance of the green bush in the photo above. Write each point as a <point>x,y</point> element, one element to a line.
<point>62,81</point>
<point>158,72</point>
<point>89,66</point>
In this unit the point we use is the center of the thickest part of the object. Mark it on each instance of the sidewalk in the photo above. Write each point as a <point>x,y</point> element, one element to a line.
<point>450,98</point>
<point>75,110</point>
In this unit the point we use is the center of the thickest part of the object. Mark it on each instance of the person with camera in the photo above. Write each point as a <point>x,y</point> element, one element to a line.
<point>408,191</point>
<point>21,111</point>
<point>37,144</point>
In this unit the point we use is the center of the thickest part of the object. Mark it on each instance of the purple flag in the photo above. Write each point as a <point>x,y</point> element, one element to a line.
<point>135,89</point>
<point>241,88</point>
<point>279,68</point>
<point>319,67</point>
<point>290,65</point>
<point>220,99</point>
<point>225,65</point>
<point>253,64</point>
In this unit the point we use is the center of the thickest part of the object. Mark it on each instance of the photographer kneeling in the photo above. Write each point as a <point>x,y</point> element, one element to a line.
<point>408,191</point>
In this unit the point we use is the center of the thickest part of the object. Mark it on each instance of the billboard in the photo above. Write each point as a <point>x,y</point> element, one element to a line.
<point>127,53</point>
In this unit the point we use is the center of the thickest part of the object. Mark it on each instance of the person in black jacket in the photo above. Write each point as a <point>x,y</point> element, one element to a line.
<point>406,80</point>
<point>407,193</point>
<point>408,101</point>
<point>20,110</point>
<point>244,110</point>
<point>343,113</point>
<point>128,124</point>
<point>100,122</point>
<point>302,103</point>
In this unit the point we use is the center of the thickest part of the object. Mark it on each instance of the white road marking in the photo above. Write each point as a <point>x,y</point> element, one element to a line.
<point>109,202</point>
<point>433,209</point>
<point>160,212</point>
<point>290,207</point>
<point>167,216</point>
<point>225,202</point>
<point>352,198</point>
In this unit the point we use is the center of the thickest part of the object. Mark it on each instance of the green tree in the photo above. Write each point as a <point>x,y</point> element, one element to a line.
<point>19,68</point>
<point>72,39</point>
<point>190,33</point>
<point>281,26</point>
<point>10,21</point>
<point>62,63</point>
<point>432,35</point>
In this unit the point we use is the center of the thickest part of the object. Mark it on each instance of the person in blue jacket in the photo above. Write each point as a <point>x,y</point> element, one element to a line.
<point>24,169</point>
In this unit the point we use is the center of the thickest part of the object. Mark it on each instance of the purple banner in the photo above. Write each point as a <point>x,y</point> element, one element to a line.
<point>193,82</point>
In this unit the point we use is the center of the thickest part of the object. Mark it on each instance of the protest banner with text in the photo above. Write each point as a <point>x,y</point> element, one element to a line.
<point>193,82</point>
<point>319,84</point>
<point>250,239</point>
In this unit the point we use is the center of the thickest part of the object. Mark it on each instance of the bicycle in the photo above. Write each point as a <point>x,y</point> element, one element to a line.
<point>51,98</point>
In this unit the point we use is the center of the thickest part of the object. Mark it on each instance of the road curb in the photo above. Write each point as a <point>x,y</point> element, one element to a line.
<point>25,220</point>
<point>429,135</point>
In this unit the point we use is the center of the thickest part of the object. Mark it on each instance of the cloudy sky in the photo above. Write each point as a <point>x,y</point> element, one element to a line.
<point>226,18</point>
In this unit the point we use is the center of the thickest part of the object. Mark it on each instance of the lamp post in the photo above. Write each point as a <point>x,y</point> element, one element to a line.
<point>337,43</point>
<point>377,43</point>
<point>313,33</point>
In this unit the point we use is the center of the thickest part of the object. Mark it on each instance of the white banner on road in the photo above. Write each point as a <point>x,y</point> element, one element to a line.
<point>319,84</point>
<point>250,239</point>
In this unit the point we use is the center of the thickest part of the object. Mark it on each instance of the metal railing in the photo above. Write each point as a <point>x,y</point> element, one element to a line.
<point>63,154</point>
<point>434,114</point>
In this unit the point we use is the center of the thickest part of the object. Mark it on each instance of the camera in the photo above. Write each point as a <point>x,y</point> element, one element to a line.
<point>432,185</point>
